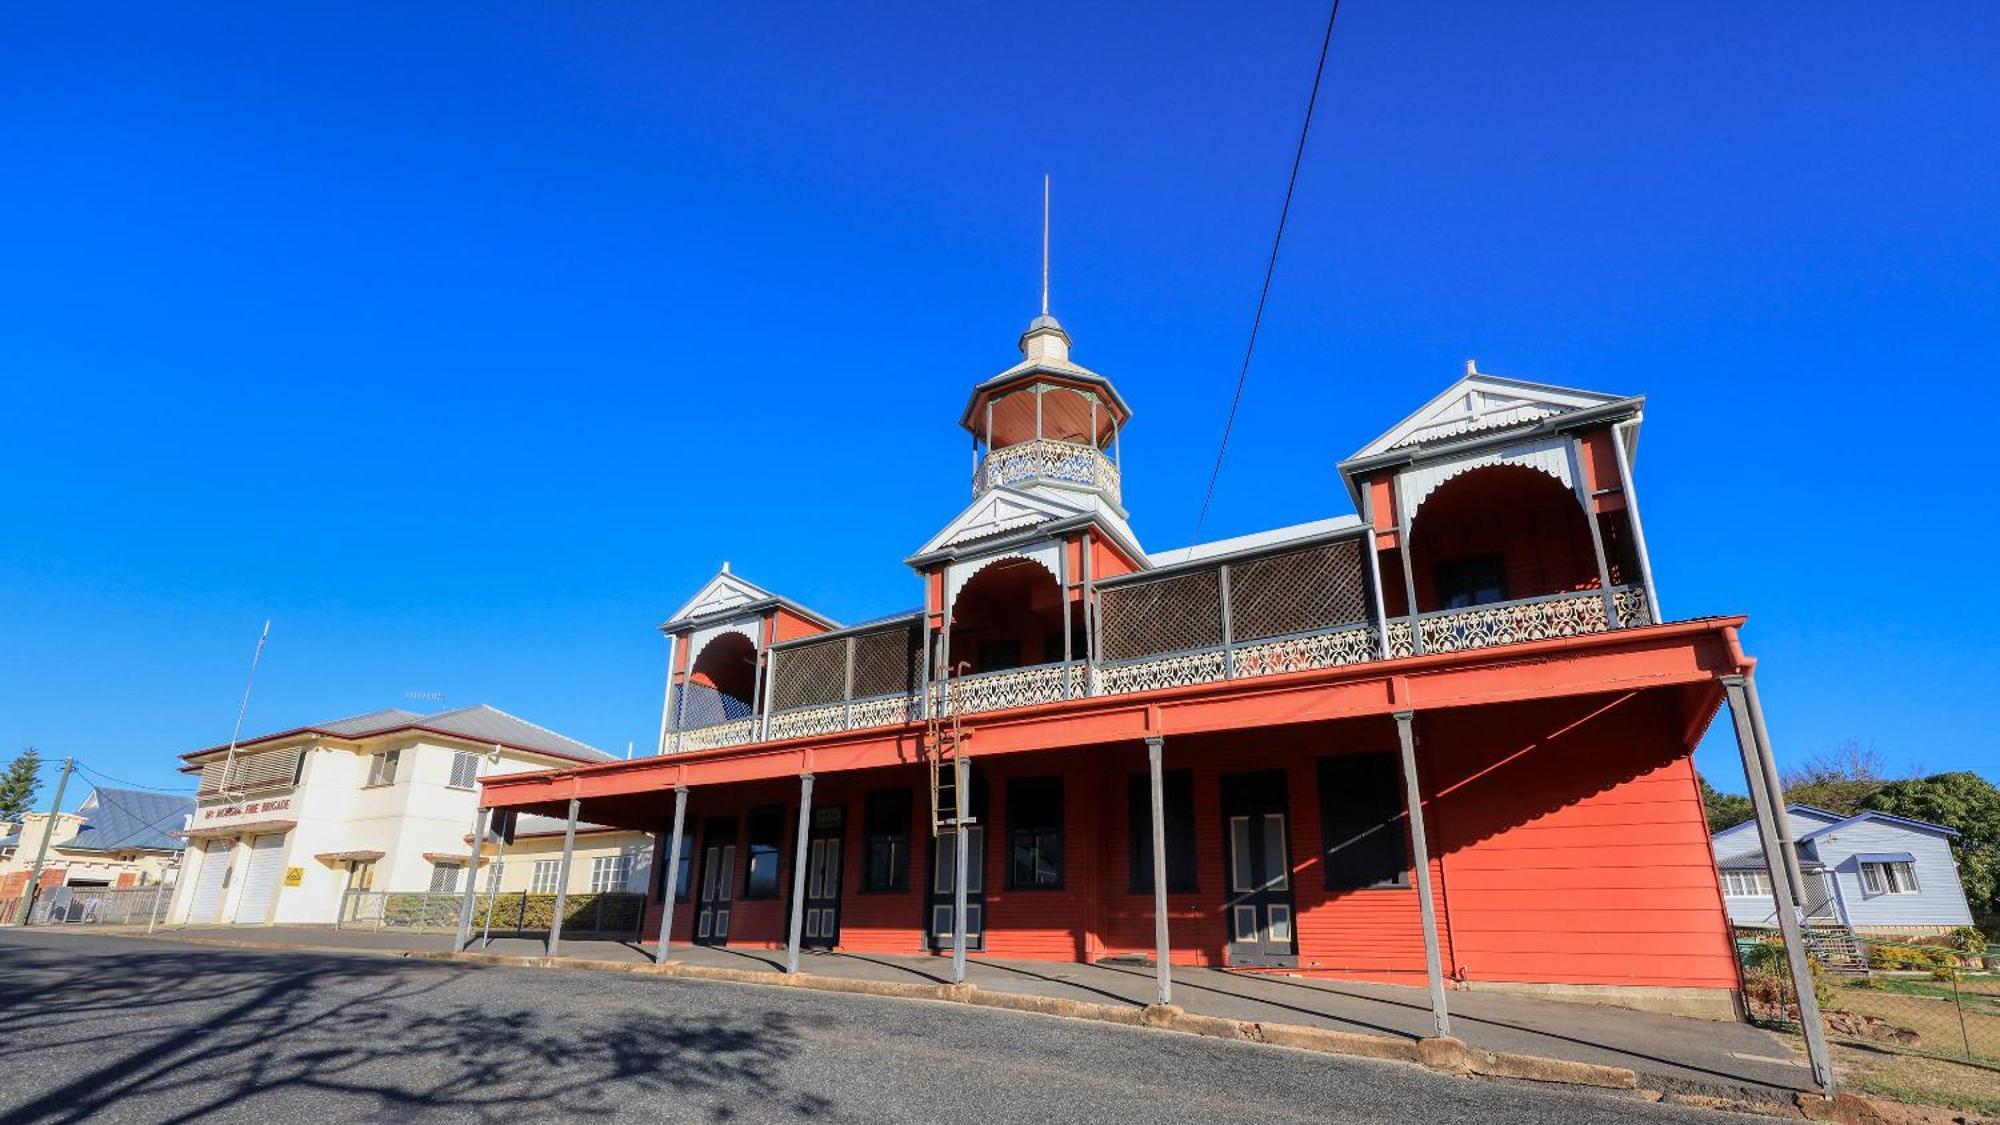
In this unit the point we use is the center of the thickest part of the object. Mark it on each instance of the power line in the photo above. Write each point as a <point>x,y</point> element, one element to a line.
<point>100,776</point>
<point>1270,268</point>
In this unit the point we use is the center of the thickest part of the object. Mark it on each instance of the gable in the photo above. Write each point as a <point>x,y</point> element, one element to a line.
<point>1480,403</point>
<point>1000,511</point>
<point>724,592</point>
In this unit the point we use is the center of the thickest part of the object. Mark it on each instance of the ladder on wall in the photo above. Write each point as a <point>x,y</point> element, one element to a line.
<point>945,743</point>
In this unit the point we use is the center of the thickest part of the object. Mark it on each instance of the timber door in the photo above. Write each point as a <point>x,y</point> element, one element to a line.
<point>1256,861</point>
<point>718,879</point>
<point>821,929</point>
<point>944,885</point>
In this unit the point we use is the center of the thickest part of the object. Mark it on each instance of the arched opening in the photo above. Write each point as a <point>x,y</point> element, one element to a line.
<point>722,683</point>
<point>1010,615</point>
<point>1495,534</point>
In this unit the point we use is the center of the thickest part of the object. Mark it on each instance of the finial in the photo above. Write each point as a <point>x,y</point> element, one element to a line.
<point>1045,244</point>
<point>1471,367</point>
<point>725,566</point>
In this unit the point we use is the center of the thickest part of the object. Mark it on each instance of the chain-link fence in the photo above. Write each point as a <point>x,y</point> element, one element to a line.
<point>1937,996</point>
<point>609,914</point>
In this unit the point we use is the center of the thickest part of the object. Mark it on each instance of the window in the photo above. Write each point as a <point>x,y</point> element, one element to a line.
<point>382,767</point>
<point>1890,878</point>
<point>681,876</point>
<point>494,871</point>
<point>1034,818</point>
<point>766,828</point>
<point>1177,796</point>
<point>1469,582</point>
<point>545,878</point>
<point>887,823</point>
<point>1746,884</point>
<point>464,770</point>
<point>1364,835</point>
<point>444,878</point>
<point>361,876</point>
<point>610,872</point>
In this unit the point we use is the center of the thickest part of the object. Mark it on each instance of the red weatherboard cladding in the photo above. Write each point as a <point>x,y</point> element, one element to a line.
<point>1567,839</point>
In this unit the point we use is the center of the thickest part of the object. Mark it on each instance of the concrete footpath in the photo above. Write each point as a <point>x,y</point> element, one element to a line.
<point>1672,1054</point>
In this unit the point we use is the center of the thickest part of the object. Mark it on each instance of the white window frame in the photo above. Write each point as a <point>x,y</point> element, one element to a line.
<point>466,762</point>
<point>1897,878</point>
<point>383,768</point>
<point>1746,884</point>
<point>610,873</point>
<point>546,877</point>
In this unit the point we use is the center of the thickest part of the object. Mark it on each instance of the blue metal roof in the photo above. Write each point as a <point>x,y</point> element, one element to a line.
<point>131,818</point>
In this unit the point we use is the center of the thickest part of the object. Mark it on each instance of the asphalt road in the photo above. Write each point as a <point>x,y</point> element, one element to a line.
<point>119,1029</point>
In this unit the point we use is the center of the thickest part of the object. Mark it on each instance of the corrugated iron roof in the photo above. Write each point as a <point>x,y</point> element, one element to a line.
<point>115,819</point>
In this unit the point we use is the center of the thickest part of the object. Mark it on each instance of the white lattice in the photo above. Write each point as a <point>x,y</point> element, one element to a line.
<point>1048,459</point>
<point>1163,672</point>
<point>1314,650</point>
<point>1506,623</point>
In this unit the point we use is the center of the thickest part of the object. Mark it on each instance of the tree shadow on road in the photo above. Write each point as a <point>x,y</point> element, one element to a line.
<point>175,1035</point>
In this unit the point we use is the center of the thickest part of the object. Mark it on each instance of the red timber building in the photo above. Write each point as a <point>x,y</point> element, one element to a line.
<point>1447,741</point>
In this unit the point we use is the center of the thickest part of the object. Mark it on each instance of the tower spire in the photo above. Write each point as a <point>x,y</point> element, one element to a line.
<point>1045,244</point>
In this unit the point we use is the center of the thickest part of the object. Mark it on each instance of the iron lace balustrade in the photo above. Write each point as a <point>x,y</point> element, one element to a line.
<point>1047,459</point>
<point>1570,614</point>
<point>1014,687</point>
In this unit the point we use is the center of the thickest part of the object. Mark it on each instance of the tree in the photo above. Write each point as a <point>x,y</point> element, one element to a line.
<point>1963,801</point>
<point>19,783</point>
<point>1723,809</point>
<point>1840,780</point>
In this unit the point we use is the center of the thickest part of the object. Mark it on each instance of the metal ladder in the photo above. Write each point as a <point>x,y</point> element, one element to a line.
<point>944,744</point>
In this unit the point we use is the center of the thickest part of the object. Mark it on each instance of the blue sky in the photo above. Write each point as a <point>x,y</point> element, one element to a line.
<point>465,342</point>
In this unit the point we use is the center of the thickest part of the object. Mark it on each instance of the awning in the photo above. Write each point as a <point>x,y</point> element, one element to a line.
<point>1884,857</point>
<point>343,857</point>
<point>253,828</point>
<point>450,858</point>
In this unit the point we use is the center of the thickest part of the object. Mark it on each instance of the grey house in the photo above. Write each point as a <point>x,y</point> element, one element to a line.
<point>1872,873</point>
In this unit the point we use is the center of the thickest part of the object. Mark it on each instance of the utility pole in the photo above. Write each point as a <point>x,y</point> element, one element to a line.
<point>42,850</point>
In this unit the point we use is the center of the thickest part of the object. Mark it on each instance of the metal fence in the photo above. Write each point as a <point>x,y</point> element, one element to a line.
<point>96,906</point>
<point>512,914</point>
<point>1937,997</point>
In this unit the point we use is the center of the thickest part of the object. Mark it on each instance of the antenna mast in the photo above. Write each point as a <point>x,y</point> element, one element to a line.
<point>229,762</point>
<point>1045,244</point>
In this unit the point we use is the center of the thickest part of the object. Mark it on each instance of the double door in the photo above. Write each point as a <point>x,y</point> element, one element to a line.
<point>1256,857</point>
<point>718,881</point>
<point>821,928</point>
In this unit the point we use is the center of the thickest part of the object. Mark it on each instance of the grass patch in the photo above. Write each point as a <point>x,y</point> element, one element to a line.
<point>1919,1080</point>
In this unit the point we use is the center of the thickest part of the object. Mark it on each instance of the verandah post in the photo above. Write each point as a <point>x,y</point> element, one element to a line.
<point>799,872</point>
<point>1420,858</point>
<point>493,884</point>
<point>961,860</point>
<point>1764,803</point>
<point>463,937</point>
<point>671,881</point>
<point>562,878</point>
<point>1163,974</point>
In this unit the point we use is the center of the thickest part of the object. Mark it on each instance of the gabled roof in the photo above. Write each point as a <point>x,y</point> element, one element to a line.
<point>1882,818</point>
<point>1007,512</point>
<point>479,723</point>
<point>1479,404</point>
<point>727,592</point>
<point>119,819</point>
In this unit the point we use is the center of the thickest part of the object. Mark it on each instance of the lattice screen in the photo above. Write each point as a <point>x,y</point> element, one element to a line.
<point>1297,592</point>
<point>703,706</point>
<point>1164,615</point>
<point>887,663</point>
<point>810,675</point>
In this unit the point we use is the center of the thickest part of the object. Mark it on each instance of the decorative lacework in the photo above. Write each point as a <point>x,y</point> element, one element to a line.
<point>733,733</point>
<point>1506,623</point>
<point>1172,671</point>
<point>893,711</point>
<point>808,720</point>
<point>1315,650</point>
<point>1046,459</point>
<point>1016,687</point>
<point>1632,608</point>
<point>1399,639</point>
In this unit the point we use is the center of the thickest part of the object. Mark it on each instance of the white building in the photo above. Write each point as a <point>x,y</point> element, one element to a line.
<point>288,823</point>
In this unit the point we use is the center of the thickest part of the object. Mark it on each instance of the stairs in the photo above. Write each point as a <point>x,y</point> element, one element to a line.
<point>1837,949</point>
